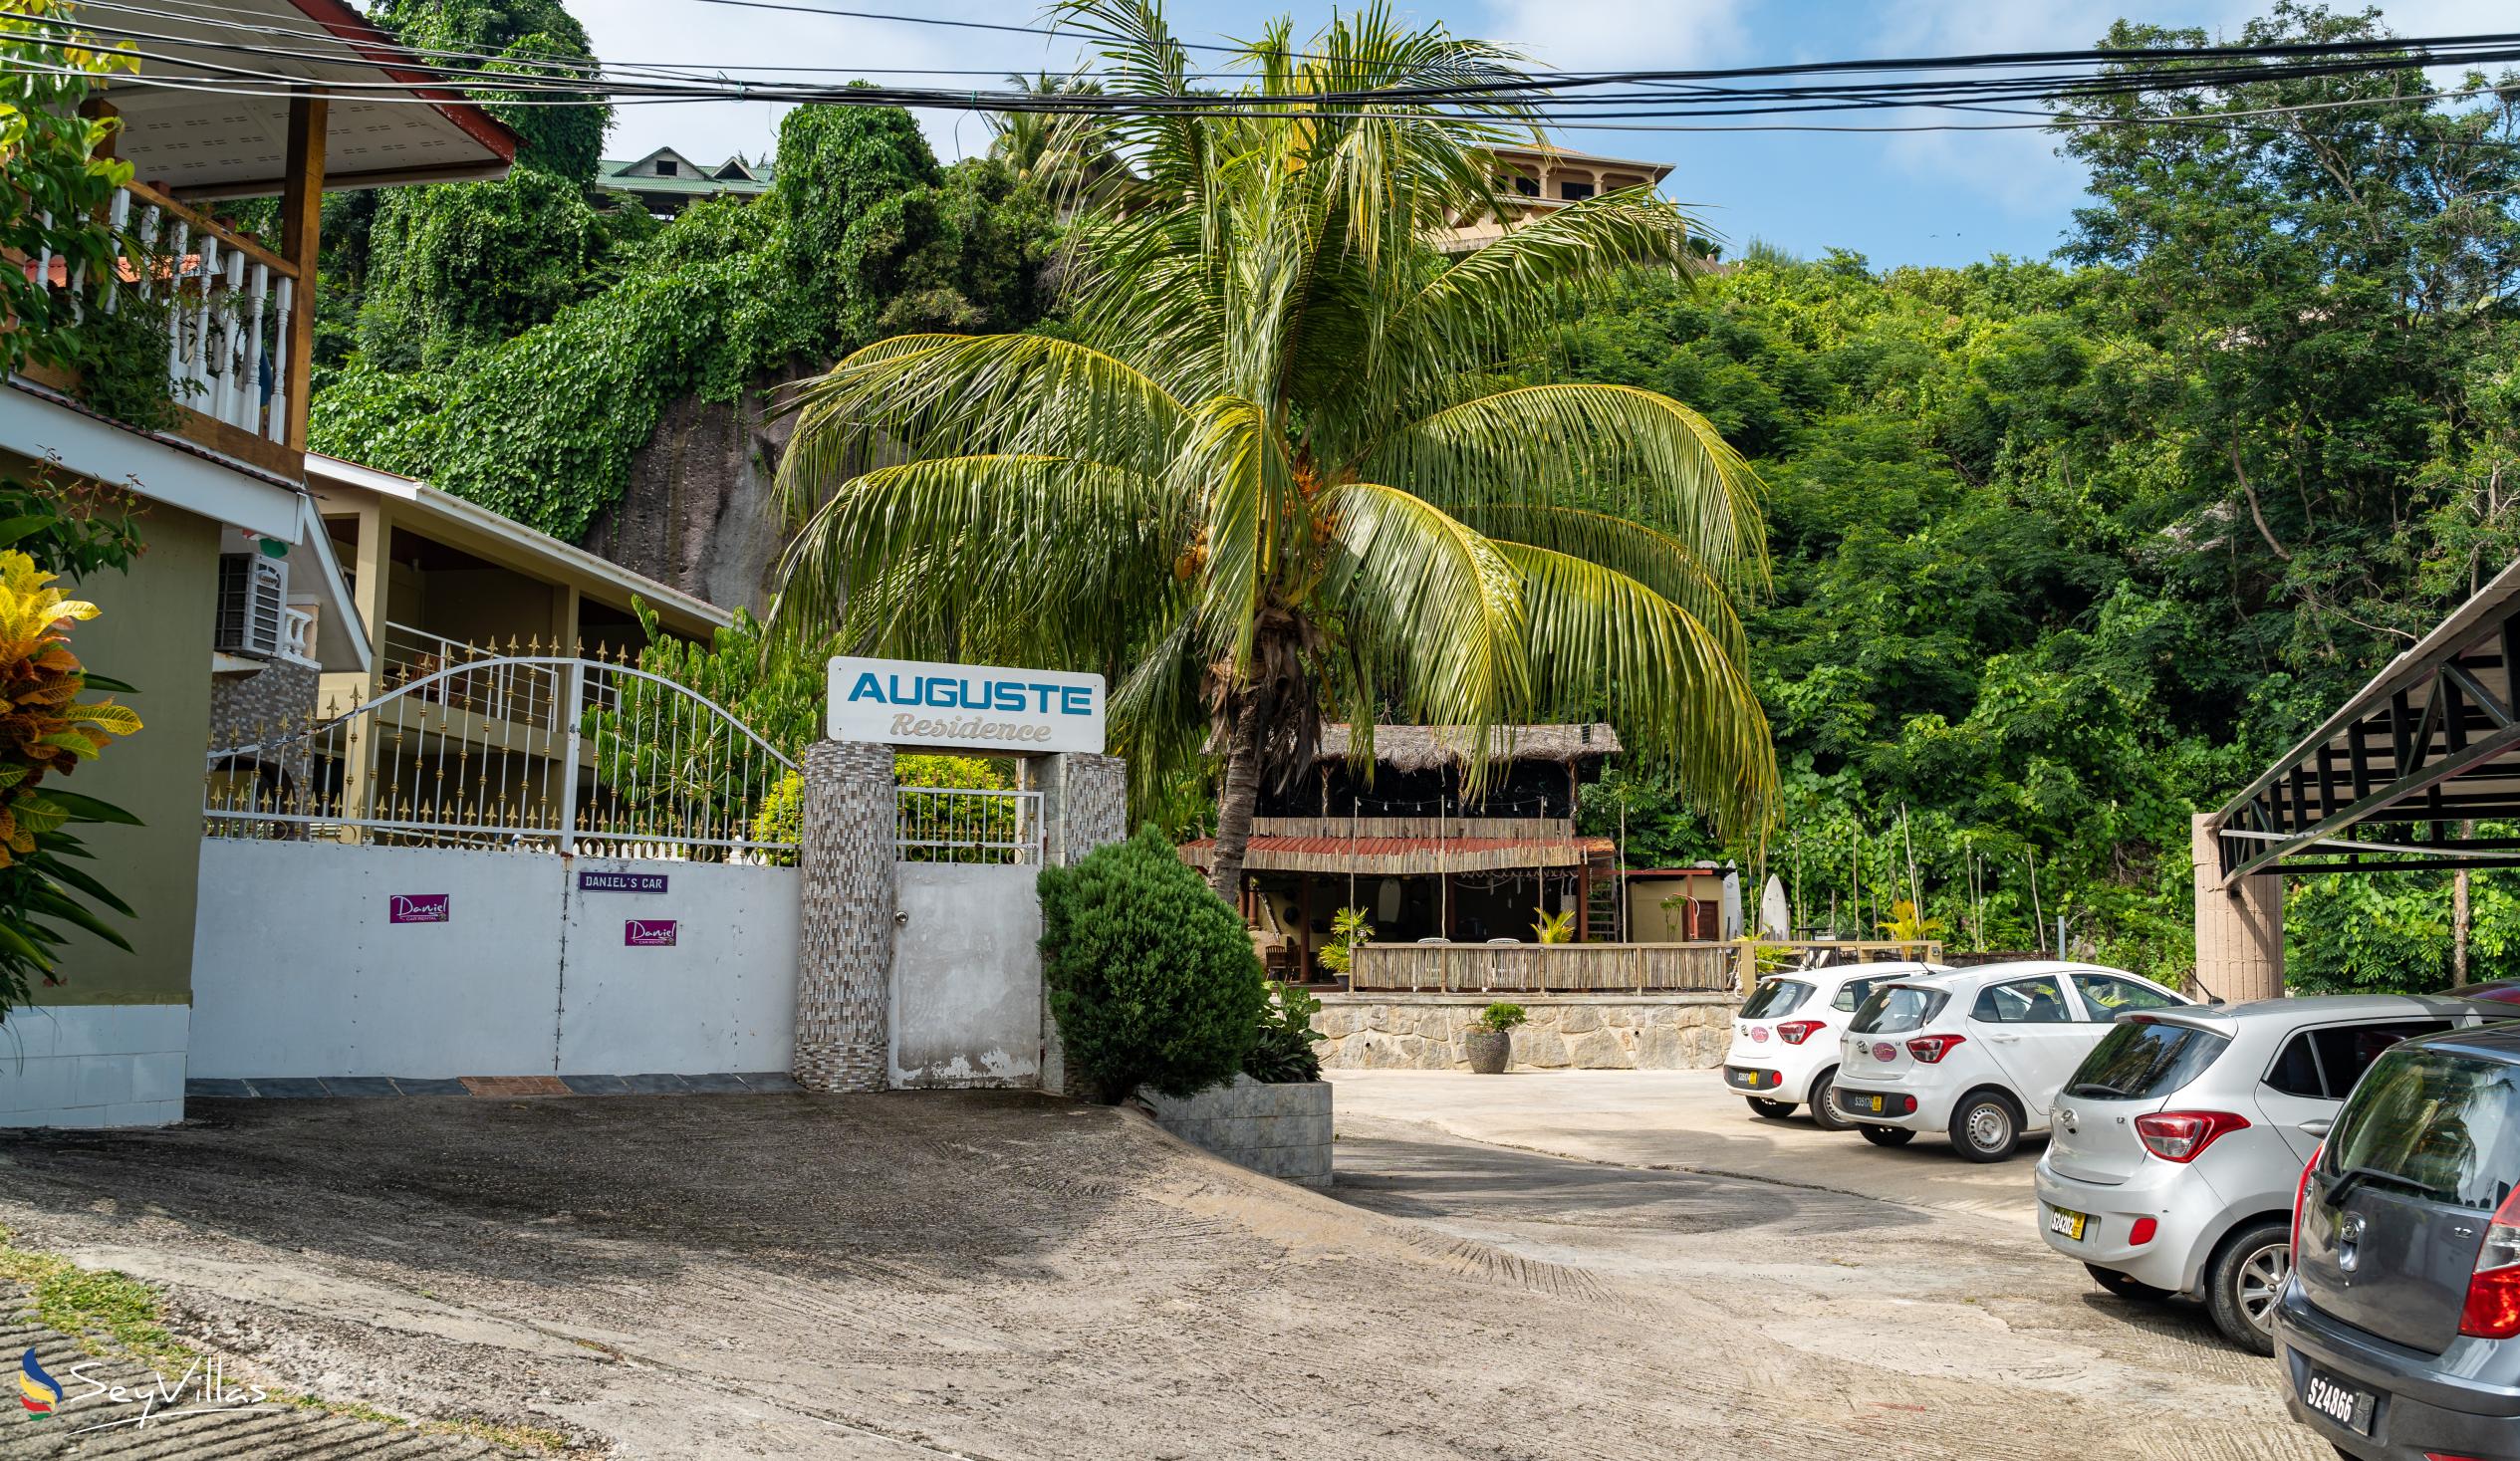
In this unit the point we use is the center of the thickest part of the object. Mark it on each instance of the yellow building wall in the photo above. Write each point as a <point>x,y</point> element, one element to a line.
<point>154,634</point>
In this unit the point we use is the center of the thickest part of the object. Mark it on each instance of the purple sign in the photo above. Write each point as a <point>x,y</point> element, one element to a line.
<point>418,907</point>
<point>649,933</point>
<point>632,883</point>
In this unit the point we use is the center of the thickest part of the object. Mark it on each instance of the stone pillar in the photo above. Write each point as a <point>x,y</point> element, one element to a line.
<point>1083,805</point>
<point>2240,933</point>
<point>844,976</point>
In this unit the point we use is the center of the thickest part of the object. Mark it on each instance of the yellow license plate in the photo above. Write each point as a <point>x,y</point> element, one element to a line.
<point>2065,1223</point>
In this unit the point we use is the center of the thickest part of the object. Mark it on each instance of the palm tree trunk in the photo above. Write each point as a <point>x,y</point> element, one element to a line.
<point>1235,803</point>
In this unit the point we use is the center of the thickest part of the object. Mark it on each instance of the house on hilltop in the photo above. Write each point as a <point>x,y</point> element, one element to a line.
<point>664,182</point>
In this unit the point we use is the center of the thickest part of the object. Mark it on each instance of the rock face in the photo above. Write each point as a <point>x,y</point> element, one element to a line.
<point>1672,1032</point>
<point>697,514</point>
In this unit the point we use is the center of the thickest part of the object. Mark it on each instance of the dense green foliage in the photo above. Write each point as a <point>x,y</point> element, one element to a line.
<point>1151,975</point>
<point>862,233</point>
<point>1283,1051</point>
<point>2065,553</point>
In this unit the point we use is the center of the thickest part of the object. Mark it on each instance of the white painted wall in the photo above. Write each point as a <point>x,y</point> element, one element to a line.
<point>91,1066</point>
<point>299,971</point>
<point>723,998</point>
<point>966,976</point>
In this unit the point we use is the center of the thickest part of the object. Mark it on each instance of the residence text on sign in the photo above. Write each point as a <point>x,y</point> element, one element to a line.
<point>965,707</point>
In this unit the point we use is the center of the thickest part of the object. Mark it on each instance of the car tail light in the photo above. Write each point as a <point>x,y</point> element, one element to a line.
<point>1795,1032</point>
<point>2143,1231</point>
<point>2183,1136</point>
<point>1931,1049</point>
<point>2492,1311</point>
<point>2301,1195</point>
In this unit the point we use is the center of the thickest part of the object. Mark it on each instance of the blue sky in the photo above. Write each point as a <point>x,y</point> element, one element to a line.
<point>1929,198</point>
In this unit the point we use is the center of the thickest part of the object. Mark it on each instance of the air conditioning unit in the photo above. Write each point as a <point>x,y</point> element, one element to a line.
<point>253,604</point>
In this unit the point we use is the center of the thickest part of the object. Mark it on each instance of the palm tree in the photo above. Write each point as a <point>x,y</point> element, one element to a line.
<point>1274,465</point>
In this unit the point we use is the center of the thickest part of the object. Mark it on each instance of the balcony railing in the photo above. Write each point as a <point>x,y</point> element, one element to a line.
<point>229,302</point>
<point>297,635</point>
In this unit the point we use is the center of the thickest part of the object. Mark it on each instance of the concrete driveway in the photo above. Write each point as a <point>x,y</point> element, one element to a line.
<point>1685,1120</point>
<point>1010,1277</point>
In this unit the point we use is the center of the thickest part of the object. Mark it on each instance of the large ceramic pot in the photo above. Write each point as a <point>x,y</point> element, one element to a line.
<point>1488,1050</point>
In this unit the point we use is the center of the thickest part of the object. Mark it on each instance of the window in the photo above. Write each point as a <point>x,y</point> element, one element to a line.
<point>1894,1009</point>
<point>2106,996</point>
<point>2143,1060</point>
<point>1529,187</point>
<point>2296,1069</point>
<point>668,167</point>
<point>1775,998</point>
<point>2022,1002</point>
<point>2443,1125</point>
<point>1574,192</point>
<point>2323,1064</point>
<point>1854,992</point>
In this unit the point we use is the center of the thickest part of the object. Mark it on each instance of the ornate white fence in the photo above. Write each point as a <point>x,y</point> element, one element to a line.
<point>968,824</point>
<point>543,753</point>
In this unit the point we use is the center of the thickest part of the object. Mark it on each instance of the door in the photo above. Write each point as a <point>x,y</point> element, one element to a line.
<point>2029,1026</point>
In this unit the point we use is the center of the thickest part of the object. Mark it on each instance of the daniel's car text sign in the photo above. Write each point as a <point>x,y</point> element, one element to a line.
<point>965,706</point>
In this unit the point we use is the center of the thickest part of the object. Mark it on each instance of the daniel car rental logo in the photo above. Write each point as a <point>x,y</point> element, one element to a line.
<point>37,1390</point>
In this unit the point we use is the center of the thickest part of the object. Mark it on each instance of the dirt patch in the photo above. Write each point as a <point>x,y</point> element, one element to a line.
<point>1003,1276</point>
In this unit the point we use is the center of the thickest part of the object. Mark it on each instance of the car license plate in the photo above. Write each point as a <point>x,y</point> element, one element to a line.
<point>2065,1223</point>
<point>2348,1405</point>
<point>1871,1103</point>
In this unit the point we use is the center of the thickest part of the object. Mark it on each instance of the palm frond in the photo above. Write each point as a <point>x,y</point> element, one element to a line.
<point>1596,635</point>
<point>1615,448</point>
<point>1439,607</point>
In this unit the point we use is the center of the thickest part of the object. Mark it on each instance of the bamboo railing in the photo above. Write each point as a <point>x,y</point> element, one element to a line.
<point>1594,968</point>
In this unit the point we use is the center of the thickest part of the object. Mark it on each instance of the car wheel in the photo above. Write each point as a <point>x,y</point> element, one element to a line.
<point>1824,1103</point>
<point>2248,1273</point>
<point>1887,1135</point>
<point>2123,1286</point>
<point>1774,1110</point>
<point>1986,1126</point>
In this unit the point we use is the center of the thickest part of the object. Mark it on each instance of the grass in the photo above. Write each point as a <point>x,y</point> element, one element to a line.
<point>110,1314</point>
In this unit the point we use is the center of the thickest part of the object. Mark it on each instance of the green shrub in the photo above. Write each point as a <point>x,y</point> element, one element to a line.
<point>1502,1016</point>
<point>1152,976</point>
<point>1284,1048</point>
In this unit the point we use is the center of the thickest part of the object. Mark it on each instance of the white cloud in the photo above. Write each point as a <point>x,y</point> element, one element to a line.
<point>1622,35</point>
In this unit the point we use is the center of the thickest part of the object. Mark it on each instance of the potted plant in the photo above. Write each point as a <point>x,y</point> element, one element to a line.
<point>1489,1043</point>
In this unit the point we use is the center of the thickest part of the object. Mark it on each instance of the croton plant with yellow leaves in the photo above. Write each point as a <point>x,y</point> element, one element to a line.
<point>47,728</point>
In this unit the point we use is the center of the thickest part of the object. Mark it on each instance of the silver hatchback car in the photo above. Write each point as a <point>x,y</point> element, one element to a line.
<point>2176,1146</point>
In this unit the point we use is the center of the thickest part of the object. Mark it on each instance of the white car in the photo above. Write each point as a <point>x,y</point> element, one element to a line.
<point>1980,1054</point>
<point>1784,1040</point>
<point>2180,1142</point>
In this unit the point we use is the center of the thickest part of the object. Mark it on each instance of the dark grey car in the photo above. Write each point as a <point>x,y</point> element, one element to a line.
<point>2399,1329</point>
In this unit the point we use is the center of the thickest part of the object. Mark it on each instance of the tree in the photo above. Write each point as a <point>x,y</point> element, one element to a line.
<point>1268,470</point>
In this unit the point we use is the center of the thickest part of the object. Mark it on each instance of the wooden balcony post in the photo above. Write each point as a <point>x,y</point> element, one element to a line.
<point>301,230</point>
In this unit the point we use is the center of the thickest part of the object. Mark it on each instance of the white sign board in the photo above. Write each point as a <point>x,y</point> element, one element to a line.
<point>965,707</point>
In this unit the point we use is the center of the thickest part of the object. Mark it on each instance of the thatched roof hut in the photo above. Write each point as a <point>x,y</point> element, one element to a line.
<point>1414,748</point>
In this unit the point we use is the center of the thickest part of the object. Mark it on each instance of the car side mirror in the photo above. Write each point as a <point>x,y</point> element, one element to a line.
<point>2319,1127</point>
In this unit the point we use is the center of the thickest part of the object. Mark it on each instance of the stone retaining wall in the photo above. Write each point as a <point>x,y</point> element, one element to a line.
<point>1586,1031</point>
<point>1277,1130</point>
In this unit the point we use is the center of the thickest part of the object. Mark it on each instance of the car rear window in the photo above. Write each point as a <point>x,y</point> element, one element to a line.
<point>2442,1123</point>
<point>2145,1060</point>
<point>1855,991</point>
<point>1894,1008</point>
<point>1775,997</point>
